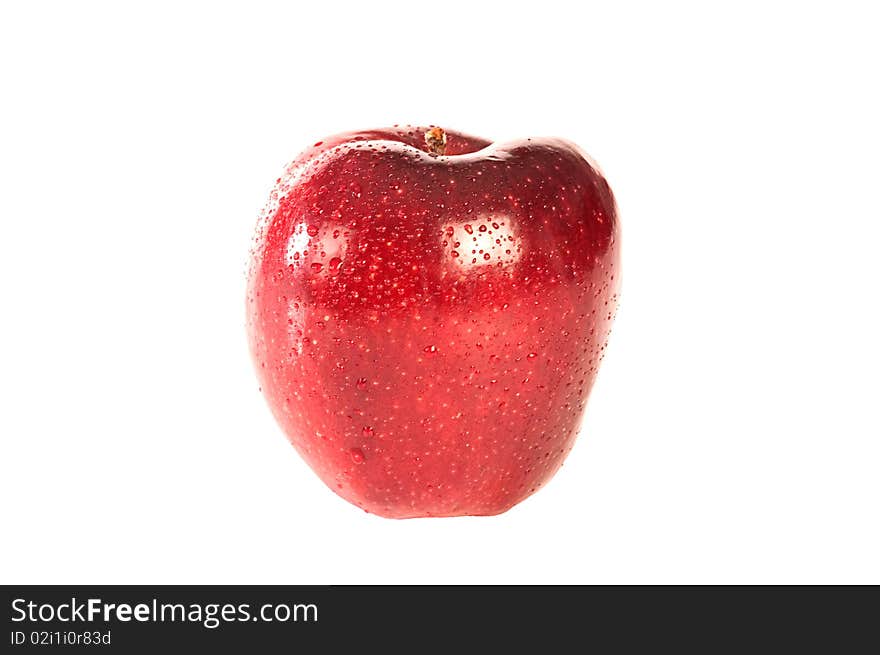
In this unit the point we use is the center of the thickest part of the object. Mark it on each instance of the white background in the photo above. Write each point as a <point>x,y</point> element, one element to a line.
<point>733,433</point>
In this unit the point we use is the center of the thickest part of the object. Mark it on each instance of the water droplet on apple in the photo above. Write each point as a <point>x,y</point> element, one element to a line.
<point>468,228</point>
<point>368,431</point>
<point>357,455</point>
<point>334,264</point>
<point>361,383</point>
<point>431,350</point>
<point>316,267</point>
<point>312,231</point>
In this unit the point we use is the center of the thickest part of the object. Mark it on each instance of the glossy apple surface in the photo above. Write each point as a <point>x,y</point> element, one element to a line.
<point>426,327</point>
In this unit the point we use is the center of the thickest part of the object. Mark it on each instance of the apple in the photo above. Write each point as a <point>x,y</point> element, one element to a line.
<point>427,311</point>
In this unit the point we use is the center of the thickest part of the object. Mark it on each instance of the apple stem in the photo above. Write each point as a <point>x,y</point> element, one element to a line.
<point>435,139</point>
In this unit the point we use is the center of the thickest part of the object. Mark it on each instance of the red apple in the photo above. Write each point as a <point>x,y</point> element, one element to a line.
<point>427,311</point>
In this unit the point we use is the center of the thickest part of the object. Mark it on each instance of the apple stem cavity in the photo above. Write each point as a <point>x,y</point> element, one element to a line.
<point>435,139</point>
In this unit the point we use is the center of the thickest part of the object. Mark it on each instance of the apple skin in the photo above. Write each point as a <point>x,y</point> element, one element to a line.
<point>427,328</point>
